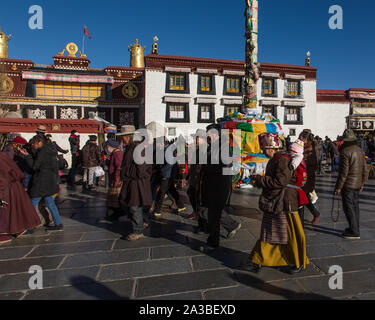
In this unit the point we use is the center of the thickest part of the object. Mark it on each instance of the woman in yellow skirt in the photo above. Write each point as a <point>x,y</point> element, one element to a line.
<point>282,241</point>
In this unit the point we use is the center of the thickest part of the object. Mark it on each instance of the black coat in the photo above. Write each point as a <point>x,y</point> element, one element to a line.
<point>216,186</point>
<point>44,181</point>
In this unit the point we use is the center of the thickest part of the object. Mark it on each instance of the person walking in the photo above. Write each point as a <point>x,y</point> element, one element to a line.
<point>334,155</point>
<point>136,188</point>
<point>74,141</point>
<point>114,178</point>
<point>44,182</point>
<point>91,158</point>
<point>350,182</point>
<point>311,160</point>
<point>216,185</point>
<point>282,241</point>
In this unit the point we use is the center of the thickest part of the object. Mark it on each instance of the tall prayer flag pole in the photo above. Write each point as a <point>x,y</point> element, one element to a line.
<point>251,65</point>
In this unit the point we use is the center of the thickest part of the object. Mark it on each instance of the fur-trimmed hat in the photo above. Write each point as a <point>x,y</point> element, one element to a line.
<point>269,141</point>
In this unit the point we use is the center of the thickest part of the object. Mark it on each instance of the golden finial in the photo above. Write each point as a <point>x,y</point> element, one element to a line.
<point>136,55</point>
<point>155,46</point>
<point>4,44</point>
<point>308,60</point>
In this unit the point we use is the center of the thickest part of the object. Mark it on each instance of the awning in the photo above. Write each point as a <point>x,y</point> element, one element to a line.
<point>206,100</point>
<point>232,101</point>
<point>269,102</point>
<point>176,69</point>
<point>270,75</point>
<point>207,71</point>
<point>177,99</point>
<point>294,103</point>
<point>48,76</point>
<point>233,73</point>
<point>295,76</point>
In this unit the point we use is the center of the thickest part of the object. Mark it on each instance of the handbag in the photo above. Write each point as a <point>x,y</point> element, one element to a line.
<point>99,172</point>
<point>274,205</point>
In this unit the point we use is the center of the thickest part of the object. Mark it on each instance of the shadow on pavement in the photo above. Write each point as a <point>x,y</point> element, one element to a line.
<point>256,283</point>
<point>95,289</point>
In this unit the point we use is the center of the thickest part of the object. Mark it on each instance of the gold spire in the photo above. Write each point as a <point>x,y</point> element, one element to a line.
<point>4,44</point>
<point>155,45</point>
<point>136,55</point>
<point>308,60</point>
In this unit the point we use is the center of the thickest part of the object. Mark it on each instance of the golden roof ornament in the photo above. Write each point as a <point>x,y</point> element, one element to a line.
<point>4,44</point>
<point>136,55</point>
<point>308,60</point>
<point>72,49</point>
<point>155,45</point>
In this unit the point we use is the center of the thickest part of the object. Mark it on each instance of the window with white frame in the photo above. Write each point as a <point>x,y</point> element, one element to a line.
<point>293,115</point>
<point>177,112</point>
<point>206,113</point>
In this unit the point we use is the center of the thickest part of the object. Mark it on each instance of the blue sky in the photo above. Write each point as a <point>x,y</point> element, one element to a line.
<point>203,28</point>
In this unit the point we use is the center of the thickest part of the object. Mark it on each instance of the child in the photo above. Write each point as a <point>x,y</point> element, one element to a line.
<point>297,163</point>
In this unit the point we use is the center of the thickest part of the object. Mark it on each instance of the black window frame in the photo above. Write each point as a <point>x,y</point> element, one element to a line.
<point>231,106</point>
<point>300,89</point>
<point>274,113</point>
<point>213,84</point>
<point>295,132</point>
<point>300,116</point>
<point>187,85</point>
<point>171,120</point>
<point>225,93</point>
<point>275,93</point>
<point>212,118</point>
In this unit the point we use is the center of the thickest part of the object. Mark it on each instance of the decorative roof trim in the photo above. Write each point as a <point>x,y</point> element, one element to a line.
<point>176,69</point>
<point>32,75</point>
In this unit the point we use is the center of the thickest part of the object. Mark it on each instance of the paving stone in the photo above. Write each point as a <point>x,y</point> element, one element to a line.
<point>358,246</point>
<point>191,296</point>
<point>54,278</point>
<point>348,263</point>
<point>221,259</point>
<point>14,253</point>
<point>102,258</point>
<point>23,265</point>
<point>11,296</point>
<point>173,252</point>
<point>193,281</point>
<point>366,296</point>
<point>81,228</point>
<point>151,242</point>
<point>320,251</point>
<point>100,235</point>
<point>47,239</point>
<point>117,290</point>
<point>144,269</point>
<point>63,249</point>
<point>353,283</point>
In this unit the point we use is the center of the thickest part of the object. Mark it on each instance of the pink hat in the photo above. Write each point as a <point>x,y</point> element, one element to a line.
<point>269,141</point>
<point>297,146</point>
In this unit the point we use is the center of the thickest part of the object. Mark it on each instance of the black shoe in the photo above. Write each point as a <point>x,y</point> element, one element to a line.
<point>60,227</point>
<point>250,267</point>
<point>199,231</point>
<point>350,235</point>
<point>295,270</point>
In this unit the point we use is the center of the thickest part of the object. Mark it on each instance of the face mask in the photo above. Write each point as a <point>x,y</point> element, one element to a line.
<point>110,150</point>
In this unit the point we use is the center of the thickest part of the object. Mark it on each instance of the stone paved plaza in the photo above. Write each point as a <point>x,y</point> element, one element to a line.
<point>91,260</point>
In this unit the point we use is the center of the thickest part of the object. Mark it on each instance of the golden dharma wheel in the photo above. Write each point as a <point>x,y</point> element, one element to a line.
<point>6,84</point>
<point>130,90</point>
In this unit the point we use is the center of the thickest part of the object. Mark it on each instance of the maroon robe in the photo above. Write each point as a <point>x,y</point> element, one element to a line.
<point>19,215</point>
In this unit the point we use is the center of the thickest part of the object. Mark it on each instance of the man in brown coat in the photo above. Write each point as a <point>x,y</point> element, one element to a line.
<point>351,180</point>
<point>136,188</point>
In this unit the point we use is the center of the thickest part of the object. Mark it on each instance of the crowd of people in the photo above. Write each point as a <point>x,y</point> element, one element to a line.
<point>30,180</point>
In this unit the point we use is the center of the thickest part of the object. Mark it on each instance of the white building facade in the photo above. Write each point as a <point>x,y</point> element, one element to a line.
<point>185,94</point>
